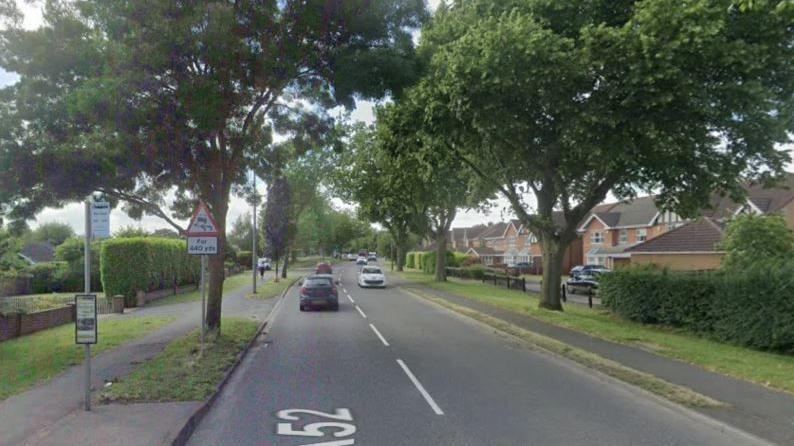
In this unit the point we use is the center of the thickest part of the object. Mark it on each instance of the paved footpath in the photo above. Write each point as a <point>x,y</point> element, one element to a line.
<point>51,414</point>
<point>758,410</point>
<point>390,369</point>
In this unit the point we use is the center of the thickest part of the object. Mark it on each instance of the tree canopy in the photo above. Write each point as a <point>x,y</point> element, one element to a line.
<point>558,102</point>
<point>140,99</point>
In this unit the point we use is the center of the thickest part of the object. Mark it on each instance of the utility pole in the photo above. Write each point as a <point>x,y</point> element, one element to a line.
<point>254,257</point>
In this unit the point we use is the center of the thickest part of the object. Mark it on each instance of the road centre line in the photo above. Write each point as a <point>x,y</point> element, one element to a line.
<point>350,299</point>
<point>382,339</point>
<point>421,389</point>
<point>360,311</point>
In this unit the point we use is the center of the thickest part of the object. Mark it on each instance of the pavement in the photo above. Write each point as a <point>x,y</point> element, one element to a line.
<point>391,369</point>
<point>761,411</point>
<point>51,413</point>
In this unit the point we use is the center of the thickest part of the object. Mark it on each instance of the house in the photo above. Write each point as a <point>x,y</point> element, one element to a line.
<point>612,228</point>
<point>37,252</point>
<point>508,243</point>
<point>674,242</point>
<point>693,246</point>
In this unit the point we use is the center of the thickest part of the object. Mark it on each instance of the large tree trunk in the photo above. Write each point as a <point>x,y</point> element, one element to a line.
<point>553,252</point>
<point>284,268</point>
<point>400,257</point>
<point>216,271</point>
<point>441,257</point>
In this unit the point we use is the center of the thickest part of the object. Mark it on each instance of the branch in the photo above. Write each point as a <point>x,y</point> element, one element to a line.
<point>150,207</point>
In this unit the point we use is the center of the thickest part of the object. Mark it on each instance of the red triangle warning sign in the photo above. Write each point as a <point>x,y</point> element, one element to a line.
<point>202,223</point>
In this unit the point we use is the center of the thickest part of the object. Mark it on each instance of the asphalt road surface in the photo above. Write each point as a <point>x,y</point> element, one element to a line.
<point>390,369</point>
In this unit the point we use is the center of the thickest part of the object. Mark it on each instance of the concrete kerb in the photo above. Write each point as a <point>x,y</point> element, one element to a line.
<point>187,430</point>
<point>713,423</point>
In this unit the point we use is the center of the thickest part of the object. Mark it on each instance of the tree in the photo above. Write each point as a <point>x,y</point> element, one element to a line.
<point>241,235</point>
<point>54,233</point>
<point>441,183</point>
<point>750,239</point>
<point>131,231</point>
<point>557,103</point>
<point>276,220</point>
<point>385,192</point>
<point>136,100</point>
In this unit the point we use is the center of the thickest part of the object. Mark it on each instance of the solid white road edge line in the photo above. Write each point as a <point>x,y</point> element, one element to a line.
<point>382,339</point>
<point>421,389</point>
<point>350,298</point>
<point>360,311</point>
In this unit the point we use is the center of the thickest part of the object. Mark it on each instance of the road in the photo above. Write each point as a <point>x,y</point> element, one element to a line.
<point>390,369</point>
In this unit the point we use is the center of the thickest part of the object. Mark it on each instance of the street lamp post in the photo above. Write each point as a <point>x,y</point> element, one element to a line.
<point>253,242</point>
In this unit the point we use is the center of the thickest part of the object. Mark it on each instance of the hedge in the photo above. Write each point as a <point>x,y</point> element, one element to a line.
<point>147,264</point>
<point>410,259</point>
<point>471,272</point>
<point>751,307</point>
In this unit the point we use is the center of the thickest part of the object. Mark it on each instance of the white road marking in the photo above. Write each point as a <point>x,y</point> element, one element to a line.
<point>382,339</point>
<point>350,298</point>
<point>421,389</point>
<point>360,311</point>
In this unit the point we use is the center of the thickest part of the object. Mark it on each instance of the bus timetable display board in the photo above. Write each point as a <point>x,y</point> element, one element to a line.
<point>85,323</point>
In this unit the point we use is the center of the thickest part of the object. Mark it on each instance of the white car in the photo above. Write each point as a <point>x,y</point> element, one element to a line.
<point>263,262</point>
<point>351,256</point>
<point>361,261</point>
<point>371,276</point>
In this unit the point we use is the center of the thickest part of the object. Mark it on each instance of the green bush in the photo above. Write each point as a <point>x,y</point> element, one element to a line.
<point>410,260</point>
<point>45,277</point>
<point>751,307</point>
<point>71,252</point>
<point>755,307</point>
<point>145,263</point>
<point>244,258</point>
<point>458,259</point>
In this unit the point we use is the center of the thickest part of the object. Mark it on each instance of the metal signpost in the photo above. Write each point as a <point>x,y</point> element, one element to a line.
<point>97,225</point>
<point>202,239</point>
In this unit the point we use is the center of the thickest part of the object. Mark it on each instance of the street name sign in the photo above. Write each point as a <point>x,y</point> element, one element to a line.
<point>100,219</point>
<point>202,232</point>
<point>85,323</point>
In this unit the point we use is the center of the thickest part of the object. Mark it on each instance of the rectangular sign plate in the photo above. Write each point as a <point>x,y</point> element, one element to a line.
<point>85,324</point>
<point>100,219</point>
<point>202,245</point>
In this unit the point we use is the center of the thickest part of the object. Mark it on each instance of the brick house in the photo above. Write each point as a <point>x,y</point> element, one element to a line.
<point>612,228</point>
<point>693,246</point>
<point>508,243</point>
<point>623,233</point>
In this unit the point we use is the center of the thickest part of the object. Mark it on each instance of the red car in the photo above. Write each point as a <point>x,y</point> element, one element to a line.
<point>323,268</point>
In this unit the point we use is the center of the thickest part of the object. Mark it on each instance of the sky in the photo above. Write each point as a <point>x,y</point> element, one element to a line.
<point>73,214</point>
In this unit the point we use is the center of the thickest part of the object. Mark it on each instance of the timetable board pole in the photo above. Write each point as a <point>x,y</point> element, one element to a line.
<point>87,279</point>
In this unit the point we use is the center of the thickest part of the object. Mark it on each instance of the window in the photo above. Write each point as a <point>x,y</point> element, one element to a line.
<point>532,238</point>
<point>642,234</point>
<point>624,236</point>
<point>511,243</point>
<point>597,237</point>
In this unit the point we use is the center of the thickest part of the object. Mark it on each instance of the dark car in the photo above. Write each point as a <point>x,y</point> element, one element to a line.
<point>579,269</point>
<point>323,268</point>
<point>585,282</point>
<point>319,292</point>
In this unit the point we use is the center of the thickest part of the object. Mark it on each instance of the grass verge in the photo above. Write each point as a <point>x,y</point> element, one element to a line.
<point>231,283</point>
<point>31,359</point>
<point>673,392</point>
<point>178,373</point>
<point>272,289</point>
<point>764,368</point>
